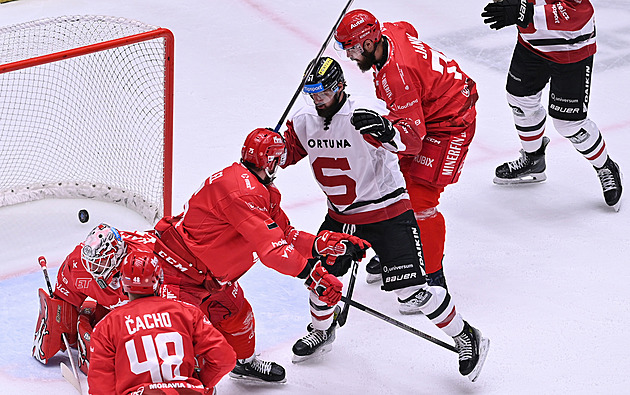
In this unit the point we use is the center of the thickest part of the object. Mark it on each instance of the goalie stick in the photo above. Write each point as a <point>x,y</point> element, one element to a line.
<point>310,67</point>
<point>71,376</point>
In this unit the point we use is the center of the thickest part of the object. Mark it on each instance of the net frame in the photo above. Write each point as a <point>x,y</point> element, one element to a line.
<point>147,203</point>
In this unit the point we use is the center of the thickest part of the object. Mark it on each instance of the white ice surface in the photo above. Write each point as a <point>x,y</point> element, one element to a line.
<point>542,270</point>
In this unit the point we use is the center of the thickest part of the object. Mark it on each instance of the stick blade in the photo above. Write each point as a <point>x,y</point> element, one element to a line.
<point>69,376</point>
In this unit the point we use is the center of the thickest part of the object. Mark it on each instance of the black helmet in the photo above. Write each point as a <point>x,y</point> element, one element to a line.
<point>326,74</point>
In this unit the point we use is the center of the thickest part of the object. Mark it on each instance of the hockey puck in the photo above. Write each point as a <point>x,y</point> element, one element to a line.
<point>84,216</point>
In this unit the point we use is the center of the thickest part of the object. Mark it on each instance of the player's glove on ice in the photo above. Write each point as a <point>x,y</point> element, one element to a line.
<point>507,13</point>
<point>370,122</point>
<point>325,285</point>
<point>333,244</point>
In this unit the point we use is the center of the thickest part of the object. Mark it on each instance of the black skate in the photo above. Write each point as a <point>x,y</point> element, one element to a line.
<point>258,370</point>
<point>473,350</point>
<point>316,342</point>
<point>610,177</point>
<point>373,269</point>
<point>530,167</point>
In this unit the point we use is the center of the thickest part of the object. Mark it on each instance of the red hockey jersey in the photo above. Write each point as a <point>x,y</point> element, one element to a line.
<point>562,31</point>
<point>232,220</point>
<point>422,85</point>
<point>151,343</point>
<point>75,283</point>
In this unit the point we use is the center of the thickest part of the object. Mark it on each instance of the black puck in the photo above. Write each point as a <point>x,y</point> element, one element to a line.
<point>84,216</point>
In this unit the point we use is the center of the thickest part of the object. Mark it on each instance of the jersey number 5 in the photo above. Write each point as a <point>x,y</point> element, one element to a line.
<point>168,370</point>
<point>322,163</point>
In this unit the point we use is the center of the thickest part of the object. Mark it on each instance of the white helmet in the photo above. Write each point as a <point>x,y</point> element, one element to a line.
<point>102,253</point>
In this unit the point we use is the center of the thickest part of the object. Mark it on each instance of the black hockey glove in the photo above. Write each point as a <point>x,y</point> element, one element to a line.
<point>369,122</point>
<point>507,13</point>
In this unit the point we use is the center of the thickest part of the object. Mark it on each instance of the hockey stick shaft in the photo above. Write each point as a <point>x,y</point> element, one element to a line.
<point>310,68</point>
<point>398,324</point>
<point>43,265</point>
<point>343,316</point>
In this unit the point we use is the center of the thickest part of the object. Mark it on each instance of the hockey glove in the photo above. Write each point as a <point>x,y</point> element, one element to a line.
<point>369,122</point>
<point>333,244</point>
<point>508,12</point>
<point>325,285</point>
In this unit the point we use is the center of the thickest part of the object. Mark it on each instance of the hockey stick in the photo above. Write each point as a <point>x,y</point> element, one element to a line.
<point>310,68</point>
<point>343,316</point>
<point>71,377</point>
<point>398,324</point>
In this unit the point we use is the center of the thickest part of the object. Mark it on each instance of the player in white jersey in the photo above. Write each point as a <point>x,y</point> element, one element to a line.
<point>367,198</point>
<point>556,45</point>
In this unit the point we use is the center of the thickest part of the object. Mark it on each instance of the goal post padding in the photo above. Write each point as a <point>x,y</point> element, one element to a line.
<point>86,111</point>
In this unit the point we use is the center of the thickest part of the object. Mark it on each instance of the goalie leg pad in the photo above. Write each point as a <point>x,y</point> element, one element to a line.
<point>84,332</point>
<point>56,316</point>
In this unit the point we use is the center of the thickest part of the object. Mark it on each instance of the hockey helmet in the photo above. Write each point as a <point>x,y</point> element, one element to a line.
<point>101,253</point>
<point>356,27</point>
<point>141,273</point>
<point>262,149</point>
<point>327,74</point>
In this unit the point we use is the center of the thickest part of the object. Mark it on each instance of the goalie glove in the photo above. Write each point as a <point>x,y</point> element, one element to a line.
<point>325,285</point>
<point>333,244</point>
<point>508,12</point>
<point>370,122</point>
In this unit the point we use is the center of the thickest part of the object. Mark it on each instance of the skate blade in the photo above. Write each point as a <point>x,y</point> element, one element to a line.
<point>410,312</point>
<point>484,346</point>
<point>254,380</point>
<point>373,278</point>
<point>528,179</point>
<point>325,349</point>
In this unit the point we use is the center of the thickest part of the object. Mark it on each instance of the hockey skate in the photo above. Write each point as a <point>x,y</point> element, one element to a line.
<point>473,350</point>
<point>254,369</point>
<point>316,342</point>
<point>412,305</point>
<point>610,177</point>
<point>373,269</point>
<point>529,168</point>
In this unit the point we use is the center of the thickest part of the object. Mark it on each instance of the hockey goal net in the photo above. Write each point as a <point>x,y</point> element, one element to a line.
<point>86,106</point>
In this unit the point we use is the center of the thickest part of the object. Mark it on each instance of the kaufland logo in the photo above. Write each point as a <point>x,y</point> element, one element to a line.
<point>357,23</point>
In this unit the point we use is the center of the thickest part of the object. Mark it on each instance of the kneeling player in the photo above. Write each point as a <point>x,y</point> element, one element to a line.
<point>87,288</point>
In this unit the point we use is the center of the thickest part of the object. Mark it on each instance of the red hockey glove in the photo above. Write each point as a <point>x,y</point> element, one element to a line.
<point>325,285</point>
<point>333,244</point>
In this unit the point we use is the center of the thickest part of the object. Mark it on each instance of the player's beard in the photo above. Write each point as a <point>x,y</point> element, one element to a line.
<point>367,62</point>
<point>333,106</point>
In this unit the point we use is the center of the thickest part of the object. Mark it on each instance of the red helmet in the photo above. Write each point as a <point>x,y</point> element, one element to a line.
<point>356,27</point>
<point>263,149</point>
<point>141,273</point>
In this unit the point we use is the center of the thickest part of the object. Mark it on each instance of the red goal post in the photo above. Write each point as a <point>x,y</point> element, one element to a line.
<point>86,111</point>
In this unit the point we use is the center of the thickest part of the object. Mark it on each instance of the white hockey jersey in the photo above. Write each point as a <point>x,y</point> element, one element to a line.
<point>362,181</point>
<point>562,31</point>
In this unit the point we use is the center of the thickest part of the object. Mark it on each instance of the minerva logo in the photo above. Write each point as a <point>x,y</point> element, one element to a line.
<point>357,23</point>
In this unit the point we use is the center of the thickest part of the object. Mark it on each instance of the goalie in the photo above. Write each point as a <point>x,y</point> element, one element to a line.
<point>87,288</point>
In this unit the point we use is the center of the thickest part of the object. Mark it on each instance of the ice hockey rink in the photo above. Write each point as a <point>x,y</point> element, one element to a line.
<point>542,270</point>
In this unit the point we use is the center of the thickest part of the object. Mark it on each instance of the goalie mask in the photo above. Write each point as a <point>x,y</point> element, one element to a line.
<point>141,273</point>
<point>102,252</point>
<point>262,150</point>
